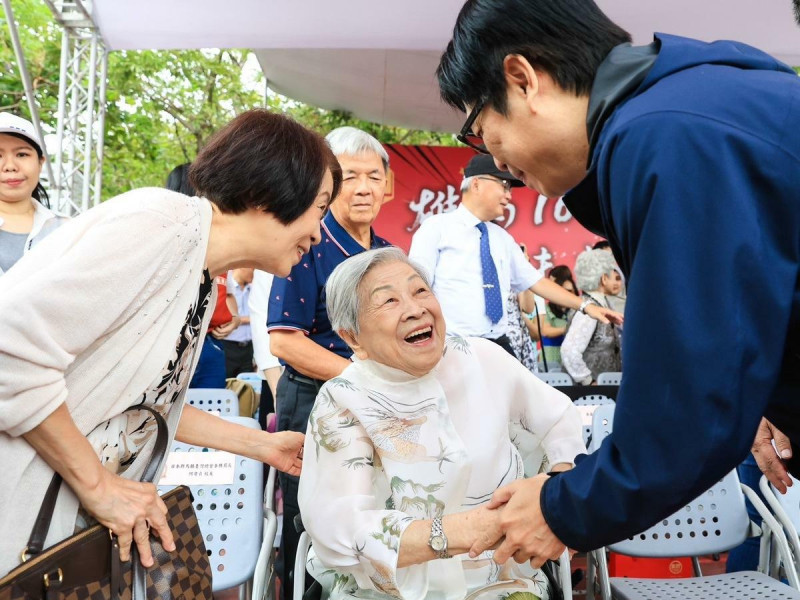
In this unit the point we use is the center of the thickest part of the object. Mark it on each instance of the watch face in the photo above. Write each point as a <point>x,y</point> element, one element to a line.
<point>437,543</point>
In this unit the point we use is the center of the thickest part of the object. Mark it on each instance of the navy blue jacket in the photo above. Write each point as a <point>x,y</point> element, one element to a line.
<point>696,174</point>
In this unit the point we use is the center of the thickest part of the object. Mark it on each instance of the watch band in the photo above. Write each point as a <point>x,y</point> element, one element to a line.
<point>587,300</point>
<point>437,531</point>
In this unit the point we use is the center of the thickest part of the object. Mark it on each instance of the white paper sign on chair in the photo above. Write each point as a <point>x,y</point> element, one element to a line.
<point>199,468</point>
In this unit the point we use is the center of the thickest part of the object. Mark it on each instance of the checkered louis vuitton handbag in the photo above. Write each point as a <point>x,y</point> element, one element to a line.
<point>86,566</point>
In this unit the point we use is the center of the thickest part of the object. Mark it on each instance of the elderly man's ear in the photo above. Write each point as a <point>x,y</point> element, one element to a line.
<point>352,341</point>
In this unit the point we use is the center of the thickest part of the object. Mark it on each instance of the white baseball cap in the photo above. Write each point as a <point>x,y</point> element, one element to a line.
<point>10,123</point>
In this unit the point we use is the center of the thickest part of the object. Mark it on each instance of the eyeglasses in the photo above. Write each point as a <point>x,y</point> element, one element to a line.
<point>504,182</point>
<point>466,136</point>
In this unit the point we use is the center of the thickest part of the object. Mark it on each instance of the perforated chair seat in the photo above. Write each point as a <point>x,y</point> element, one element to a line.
<point>745,585</point>
<point>555,379</point>
<point>220,401</point>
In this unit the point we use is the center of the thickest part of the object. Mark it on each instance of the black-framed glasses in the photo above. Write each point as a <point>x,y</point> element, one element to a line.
<point>504,182</point>
<point>466,136</point>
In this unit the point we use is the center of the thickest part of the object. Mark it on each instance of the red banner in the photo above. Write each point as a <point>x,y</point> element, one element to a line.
<point>425,180</point>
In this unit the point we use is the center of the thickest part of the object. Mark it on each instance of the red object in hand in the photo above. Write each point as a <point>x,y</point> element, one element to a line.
<point>222,313</point>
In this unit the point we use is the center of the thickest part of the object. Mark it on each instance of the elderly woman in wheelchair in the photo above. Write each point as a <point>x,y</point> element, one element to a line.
<point>405,448</point>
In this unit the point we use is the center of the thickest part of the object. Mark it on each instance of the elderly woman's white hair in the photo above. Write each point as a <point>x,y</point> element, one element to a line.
<point>590,267</point>
<point>355,142</point>
<point>341,290</point>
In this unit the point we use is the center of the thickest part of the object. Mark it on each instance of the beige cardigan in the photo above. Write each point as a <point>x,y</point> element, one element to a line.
<point>90,317</point>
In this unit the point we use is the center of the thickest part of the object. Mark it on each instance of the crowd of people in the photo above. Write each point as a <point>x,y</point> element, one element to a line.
<point>411,427</point>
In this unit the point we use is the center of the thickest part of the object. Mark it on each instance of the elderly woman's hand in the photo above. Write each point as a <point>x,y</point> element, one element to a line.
<point>282,450</point>
<point>131,510</point>
<point>604,315</point>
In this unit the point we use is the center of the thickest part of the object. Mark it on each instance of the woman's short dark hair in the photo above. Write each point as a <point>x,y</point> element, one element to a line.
<point>178,180</point>
<point>568,39</point>
<point>266,161</point>
<point>561,274</point>
<point>38,192</point>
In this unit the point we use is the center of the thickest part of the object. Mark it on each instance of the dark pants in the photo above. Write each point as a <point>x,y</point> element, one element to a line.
<point>294,403</point>
<point>238,357</point>
<point>505,344</point>
<point>210,372</point>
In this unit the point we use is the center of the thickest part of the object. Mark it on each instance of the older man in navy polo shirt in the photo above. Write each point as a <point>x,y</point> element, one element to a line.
<point>300,332</point>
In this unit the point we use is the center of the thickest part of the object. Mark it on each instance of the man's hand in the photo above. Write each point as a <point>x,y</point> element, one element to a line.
<point>222,331</point>
<point>769,457</point>
<point>604,315</point>
<point>527,535</point>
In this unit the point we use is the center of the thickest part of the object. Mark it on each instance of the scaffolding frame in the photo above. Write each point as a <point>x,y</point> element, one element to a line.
<point>75,177</point>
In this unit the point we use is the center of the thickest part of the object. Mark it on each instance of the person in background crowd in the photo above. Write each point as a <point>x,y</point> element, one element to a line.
<point>475,264</point>
<point>549,329</point>
<point>268,365</point>
<point>402,452</point>
<point>238,344</point>
<point>300,332</point>
<point>109,314</point>
<point>517,306</point>
<point>617,301</point>
<point>210,370</point>
<point>25,215</point>
<point>589,347</point>
<point>556,92</point>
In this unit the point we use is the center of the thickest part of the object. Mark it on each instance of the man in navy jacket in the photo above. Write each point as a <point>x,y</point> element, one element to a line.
<point>686,156</point>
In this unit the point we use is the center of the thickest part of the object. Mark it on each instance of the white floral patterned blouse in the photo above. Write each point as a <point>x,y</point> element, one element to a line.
<point>384,448</point>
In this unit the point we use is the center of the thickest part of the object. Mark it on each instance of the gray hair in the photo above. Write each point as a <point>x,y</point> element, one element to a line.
<point>341,290</point>
<point>590,267</point>
<point>466,183</point>
<point>355,142</point>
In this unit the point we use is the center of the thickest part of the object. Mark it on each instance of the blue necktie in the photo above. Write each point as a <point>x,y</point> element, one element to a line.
<point>491,285</point>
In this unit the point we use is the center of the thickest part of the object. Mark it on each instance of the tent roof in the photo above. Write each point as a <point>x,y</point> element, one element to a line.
<point>377,59</point>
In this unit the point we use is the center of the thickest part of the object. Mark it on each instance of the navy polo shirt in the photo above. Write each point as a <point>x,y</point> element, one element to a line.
<point>297,302</point>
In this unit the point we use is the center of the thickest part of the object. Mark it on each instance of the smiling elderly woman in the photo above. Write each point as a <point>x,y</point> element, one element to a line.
<point>407,446</point>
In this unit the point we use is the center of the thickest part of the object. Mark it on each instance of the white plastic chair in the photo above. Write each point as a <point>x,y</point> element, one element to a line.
<point>786,508</point>
<point>555,379</point>
<point>264,576</point>
<point>587,405</point>
<point>609,378</point>
<point>252,378</point>
<point>231,517</point>
<point>714,522</point>
<point>220,401</point>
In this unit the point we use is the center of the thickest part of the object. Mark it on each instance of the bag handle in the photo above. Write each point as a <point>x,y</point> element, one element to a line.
<point>45,516</point>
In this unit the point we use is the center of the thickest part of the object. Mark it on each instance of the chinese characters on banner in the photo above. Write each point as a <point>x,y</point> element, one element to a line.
<point>425,181</point>
<point>199,468</point>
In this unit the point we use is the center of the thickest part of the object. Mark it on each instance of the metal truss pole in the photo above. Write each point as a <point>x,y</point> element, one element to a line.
<point>81,108</point>
<point>26,80</point>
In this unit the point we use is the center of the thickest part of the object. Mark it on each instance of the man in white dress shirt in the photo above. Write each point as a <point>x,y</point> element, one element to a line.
<point>472,275</point>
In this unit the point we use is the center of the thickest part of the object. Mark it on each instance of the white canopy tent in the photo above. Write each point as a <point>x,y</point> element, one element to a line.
<point>377,59</point>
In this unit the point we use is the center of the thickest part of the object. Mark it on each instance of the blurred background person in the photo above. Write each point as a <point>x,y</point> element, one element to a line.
<point>25,215</point>
<point>517,308</point>
<point>268,365</point>
<point>590,347</point>
<point>549,328</point>
<point>238,344</point>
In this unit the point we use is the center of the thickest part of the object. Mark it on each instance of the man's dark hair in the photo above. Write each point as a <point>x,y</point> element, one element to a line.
<point>178,180</point>
<point>601,245</point>
<point>265,161</point>
<point>568,39</point>
<point>796,10</point>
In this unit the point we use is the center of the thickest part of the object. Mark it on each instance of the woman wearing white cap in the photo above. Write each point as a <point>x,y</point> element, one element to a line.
<point>25,215</point>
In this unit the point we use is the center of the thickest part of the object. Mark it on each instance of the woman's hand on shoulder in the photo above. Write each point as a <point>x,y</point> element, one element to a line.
<point>131,510</point>
<point>283,450</point>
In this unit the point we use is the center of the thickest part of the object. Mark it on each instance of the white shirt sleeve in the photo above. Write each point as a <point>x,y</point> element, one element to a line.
<point>425,247</point>
<point>259,304</point>
<point>523,273</point>
<point>578,336</point>
<point>338,504</point>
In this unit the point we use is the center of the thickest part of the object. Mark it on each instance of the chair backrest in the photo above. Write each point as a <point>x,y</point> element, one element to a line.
<point>587,405</point>
<point>790,503</point>
<point>230,516</point>
<point>609,378</point>
<point>713,522</point>
<point>221,401</point>
<point>555,379</point>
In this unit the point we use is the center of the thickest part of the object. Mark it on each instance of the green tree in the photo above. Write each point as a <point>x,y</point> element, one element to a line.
<point>161,106</point>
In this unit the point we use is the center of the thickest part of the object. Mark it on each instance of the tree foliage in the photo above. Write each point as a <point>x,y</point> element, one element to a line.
<point>161,106</point>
